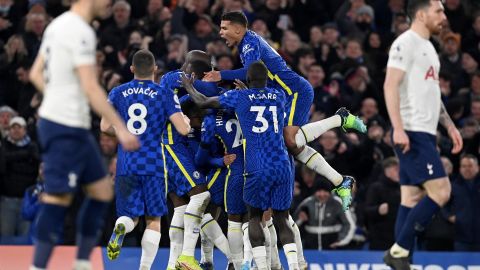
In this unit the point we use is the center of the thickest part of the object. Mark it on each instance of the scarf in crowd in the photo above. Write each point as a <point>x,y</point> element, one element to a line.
<point>20,143</point>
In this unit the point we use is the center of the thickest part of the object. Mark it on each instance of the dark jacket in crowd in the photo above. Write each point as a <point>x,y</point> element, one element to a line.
<point>466,208</point>
<point>20,168</point>
<point>381,227</point>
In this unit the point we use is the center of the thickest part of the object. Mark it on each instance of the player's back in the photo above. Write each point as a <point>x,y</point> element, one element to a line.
<point>261,116</point>
<point>254,47</point>
<point>224,125</point>
<point>145,108</point>
<point>68,42</point>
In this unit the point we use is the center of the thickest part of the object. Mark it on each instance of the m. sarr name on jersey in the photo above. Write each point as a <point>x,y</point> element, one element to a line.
<point>381,266</point>
<point>262,96</point>
<point>139,90</point>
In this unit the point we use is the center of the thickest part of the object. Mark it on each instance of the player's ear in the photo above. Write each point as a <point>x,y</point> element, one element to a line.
<point>132,69</point>
<point>237,28</point>
<point>155,68</point>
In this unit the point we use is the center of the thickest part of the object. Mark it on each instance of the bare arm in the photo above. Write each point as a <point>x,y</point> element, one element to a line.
<point>445,119</point>
<point>201,100</point>
<point>181,123</point>
<point>106,127</point>
<point>98,100</point>
<point>36,73</point>
<point>453,132</point>
<point>392,97</point>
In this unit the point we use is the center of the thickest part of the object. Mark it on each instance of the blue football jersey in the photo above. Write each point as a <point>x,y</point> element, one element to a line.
<point>254,48</point>
<point>224,125</point>
<point>145,107</point>
<point>261,116</point>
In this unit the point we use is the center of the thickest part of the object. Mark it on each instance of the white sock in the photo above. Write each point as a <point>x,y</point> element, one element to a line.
<point>82,265</point>
<point>291,254</point>
<point>36,268</point>
<point>298,241</point>
<point>150,241</point>
<point>176,235</point>
<point>316,162</point>
<point>127,222</point>
<point>275,259</point>
<point>247,247</point>
<point>213,231</point>
<point>268,246</point>
<point>398,252</point>
<point>192,218</point>
<point>206,248</point>
<point>260,256</point>
<point>235,241</point>
<point>311,131</point>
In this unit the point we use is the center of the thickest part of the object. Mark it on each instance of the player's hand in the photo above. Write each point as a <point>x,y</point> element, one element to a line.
<point>128,141</point>
<point>401,140</point>
<point>186,81</point>
<point>239,85</point>
<point>212,76</point>
<point>383,209</point>
<point>186,119</point>
<point>229,159</point>
<point>457,140</point>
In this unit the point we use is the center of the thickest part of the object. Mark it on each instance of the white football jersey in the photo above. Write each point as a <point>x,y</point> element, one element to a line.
<point>68,42</point>
<point>420,96</point>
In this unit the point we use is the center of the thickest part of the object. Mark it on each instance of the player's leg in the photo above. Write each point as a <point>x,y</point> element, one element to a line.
<point>154,190</point>
<point>49,227</point>
<point>302,263</point>
<point>267,215</point>
<point>247,247</point>
<point>129,206</point>
<point>257,237</point>
<point>176,227</point>
<point>287,238</point>
<point>275,257</point>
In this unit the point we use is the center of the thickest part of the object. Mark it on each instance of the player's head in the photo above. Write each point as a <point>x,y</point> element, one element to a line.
<point>199,68</point>
<point>430,13</point>
<point>194,113</point>
<point>97,8</point>
<point>195,55</point>
<point>257,75</point>
<point>233,27</point>
<point>143,64</point>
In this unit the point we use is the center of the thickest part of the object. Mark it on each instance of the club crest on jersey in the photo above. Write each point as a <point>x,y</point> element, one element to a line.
<point>196,174</point>
<point>246,49</point>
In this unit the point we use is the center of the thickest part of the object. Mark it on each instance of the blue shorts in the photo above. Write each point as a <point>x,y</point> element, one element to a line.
<point>216,185</point>
<point>182,174</point>
<point>138,196</point>
<point>269,188</point>
<point>71,157</point>
<point>234,204</point>
<point>299,104</point>
<point>422,162</point>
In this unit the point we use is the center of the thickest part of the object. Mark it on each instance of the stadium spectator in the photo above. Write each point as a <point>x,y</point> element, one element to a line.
<point>465,201</point>
<point>20,160</point>
<point>382,202</point>
<point>322,221</point>
<point>6,114</point>
<point>451,60</point>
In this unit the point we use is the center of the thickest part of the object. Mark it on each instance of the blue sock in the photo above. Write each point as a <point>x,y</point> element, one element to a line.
<point>402,215</point>
<point>49,229</point>
<point>89,226</point>
<point>419,217</point>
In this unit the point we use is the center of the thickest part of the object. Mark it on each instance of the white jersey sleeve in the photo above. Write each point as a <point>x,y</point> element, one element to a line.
<point>401,54</point>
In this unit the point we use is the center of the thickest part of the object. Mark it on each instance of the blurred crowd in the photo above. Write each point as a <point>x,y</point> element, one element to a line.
<point>340,46</point>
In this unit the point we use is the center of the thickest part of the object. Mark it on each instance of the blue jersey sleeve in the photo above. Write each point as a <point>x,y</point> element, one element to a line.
<point>209,89</point>
<point>111,97</point>
<point>250,53</point>
<point>229,99</point>
<point>208,129</point>
<point>172,104</point>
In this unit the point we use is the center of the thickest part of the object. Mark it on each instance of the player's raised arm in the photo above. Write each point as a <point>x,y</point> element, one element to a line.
<point>97,98</point>
<point>201,100</point>
<point>392,99</point>
<point>36,73</point>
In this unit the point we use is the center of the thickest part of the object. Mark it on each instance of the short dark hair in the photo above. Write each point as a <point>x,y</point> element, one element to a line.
<point>469,156</point>
<point>199,67</point>
<point>416,5</point>
<point>144,63</point>
<point>235,17</point>
<point>389,162</point>
<point>257,72</point>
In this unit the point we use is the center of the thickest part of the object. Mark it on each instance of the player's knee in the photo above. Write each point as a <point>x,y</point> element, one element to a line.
<point>285,231</point>
<point>101,190</point>
<point>441,196</point>
<point>153,223</point>
<point>291,144</point>
<point>58,199</point>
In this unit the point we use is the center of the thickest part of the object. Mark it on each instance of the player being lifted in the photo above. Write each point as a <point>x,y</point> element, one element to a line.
<point>268,181</point>
<point>297,132</point>
<point>140,181</point>
<point>65,72</point>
